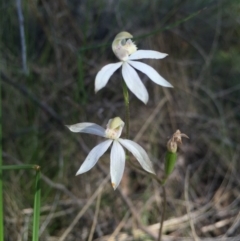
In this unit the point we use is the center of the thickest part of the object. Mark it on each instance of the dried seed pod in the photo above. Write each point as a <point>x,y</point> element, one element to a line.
<point>171,155</point>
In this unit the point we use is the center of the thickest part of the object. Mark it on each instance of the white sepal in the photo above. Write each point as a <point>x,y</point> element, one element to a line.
<point>150,72</point>
<point>104,74</point>
<point>139,153</point>
<point>87,127</point>
<point>147,54</point>
<point>94,156</point>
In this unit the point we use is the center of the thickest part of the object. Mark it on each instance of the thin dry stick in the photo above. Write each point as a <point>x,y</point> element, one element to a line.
<point>163,214</point>
<point>132,208</point>
<point>150,119</point>
<point>24,234</point>
<point>217,225</point>
<point>135,213</point>
<point>95,217</point>
<point>119,227</point>
<point>173,224</point>
<point>22,36</point>
<point>51,214</point>
<point>84,209</point>
<point>234,226</point>
<point>188,206</point>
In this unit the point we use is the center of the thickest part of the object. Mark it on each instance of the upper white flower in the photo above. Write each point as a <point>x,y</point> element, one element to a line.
<point>117,156</point>
<point>126,51</point>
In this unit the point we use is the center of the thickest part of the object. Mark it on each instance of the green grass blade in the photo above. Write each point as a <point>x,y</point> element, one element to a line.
<point>19,167</point>
<point>37,202</point>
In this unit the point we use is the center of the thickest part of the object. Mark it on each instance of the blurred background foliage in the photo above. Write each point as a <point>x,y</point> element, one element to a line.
<point>67,43</point>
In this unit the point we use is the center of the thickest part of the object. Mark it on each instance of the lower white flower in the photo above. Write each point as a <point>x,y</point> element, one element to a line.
<point>126,51</point>
<point>117,156</point>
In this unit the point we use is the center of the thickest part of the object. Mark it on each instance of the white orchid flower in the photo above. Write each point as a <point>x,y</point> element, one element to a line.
<point>117,156</point>
<point>126,51</point>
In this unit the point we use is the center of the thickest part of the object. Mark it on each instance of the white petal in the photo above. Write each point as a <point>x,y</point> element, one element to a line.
<point>134,83</point>
<point>89,128</point>
<point>147,54</point>
<point>117,164</point>
<point>139,153</point>
<point>104,74</point>
<point>150,72</point>
<point>93,156</point>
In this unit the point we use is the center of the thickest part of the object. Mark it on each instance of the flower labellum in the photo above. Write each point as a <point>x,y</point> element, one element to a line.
<point>123,46</point>
<point>126,51</point>
<point>117,155</point>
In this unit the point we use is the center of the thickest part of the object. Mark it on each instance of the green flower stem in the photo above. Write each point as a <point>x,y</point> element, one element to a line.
<point>126,101</point>
<point>1,181</point>
<point>163,214</point>
<point>170,161</point>
<point>37,203</point>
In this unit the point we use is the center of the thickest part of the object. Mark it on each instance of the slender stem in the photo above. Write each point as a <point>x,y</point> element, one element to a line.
<point>1,178</point>
<point>37,201</point>
<point>22,36</point>
<point>163,214</point>
<point>127,110</point>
